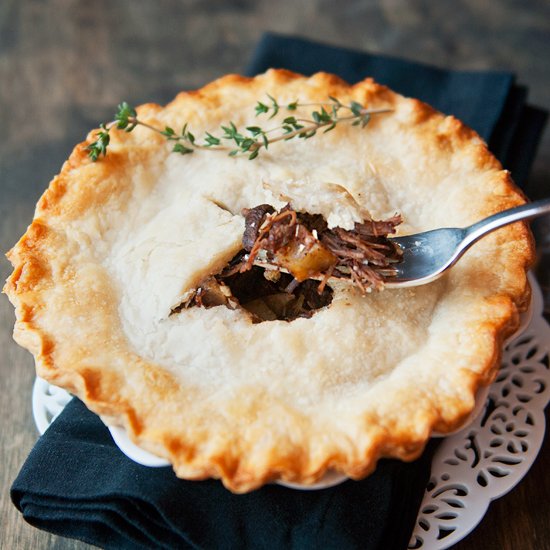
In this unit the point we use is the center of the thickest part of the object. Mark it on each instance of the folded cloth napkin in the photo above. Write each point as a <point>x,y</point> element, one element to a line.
<point>77,483</point>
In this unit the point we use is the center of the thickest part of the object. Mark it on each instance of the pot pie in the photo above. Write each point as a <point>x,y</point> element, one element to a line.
<point>106,279</point>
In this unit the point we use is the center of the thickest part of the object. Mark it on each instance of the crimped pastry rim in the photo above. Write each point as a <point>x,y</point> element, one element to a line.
<point>96,384</point>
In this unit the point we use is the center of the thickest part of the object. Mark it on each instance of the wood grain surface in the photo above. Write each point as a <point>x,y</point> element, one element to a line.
<point>64,65</point>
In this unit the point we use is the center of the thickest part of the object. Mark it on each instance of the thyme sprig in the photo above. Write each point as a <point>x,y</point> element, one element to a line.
<point>252,139</point>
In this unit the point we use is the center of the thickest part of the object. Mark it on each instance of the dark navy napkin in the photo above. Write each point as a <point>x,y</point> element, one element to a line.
<point>77,483</point>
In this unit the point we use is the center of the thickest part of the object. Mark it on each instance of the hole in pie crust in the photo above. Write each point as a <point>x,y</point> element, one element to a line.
<point>265,295</point>
<point>287,260</point>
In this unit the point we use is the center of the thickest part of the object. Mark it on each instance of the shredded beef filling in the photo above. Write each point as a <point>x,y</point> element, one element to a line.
<point>288,258</point>
<point>303,245</point>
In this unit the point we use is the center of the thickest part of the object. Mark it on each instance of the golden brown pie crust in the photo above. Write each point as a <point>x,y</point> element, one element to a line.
<point>370,377</point>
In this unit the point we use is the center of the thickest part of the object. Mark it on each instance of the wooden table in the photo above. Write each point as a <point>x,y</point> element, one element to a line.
<point>64,64</point>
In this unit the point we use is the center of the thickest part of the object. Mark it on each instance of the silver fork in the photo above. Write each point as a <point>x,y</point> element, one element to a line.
<point>427,255</point>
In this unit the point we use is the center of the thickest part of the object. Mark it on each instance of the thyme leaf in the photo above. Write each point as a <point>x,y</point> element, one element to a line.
<point>99,146</point>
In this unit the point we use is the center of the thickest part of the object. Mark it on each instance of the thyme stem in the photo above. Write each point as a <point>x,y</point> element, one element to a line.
<point>249,141</point>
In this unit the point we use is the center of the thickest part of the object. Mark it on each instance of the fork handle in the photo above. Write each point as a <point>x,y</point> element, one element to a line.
<point>524,212</point>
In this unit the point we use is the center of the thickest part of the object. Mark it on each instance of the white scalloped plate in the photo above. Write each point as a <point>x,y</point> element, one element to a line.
<point>480,462</point>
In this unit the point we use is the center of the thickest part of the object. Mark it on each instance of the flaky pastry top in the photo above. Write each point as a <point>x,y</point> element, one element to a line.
<point>116,245</point>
